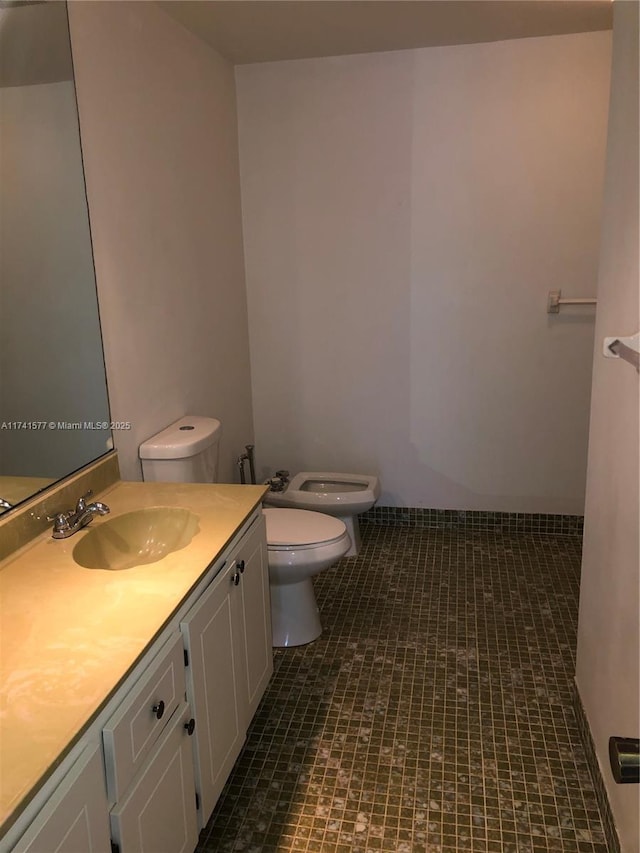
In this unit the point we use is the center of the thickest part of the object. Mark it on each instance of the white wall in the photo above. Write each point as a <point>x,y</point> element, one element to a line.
<point>159,131</point>
<point>608,665</point>
<point>405,215</point>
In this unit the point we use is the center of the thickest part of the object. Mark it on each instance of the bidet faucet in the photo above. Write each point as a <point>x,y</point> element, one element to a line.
<point>276,484</point>
<point>65,524</point>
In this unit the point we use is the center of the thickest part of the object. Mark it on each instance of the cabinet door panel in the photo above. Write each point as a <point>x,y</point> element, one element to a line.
<point>76,818</point>
<point>256,607</point>
<point>213,686</point>
<point>131,732</point>
<point>158,812</point>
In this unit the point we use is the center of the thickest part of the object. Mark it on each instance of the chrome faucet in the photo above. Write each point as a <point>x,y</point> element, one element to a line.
<point>65,524</point>
<point>278,483</point>
<point>5,504</point>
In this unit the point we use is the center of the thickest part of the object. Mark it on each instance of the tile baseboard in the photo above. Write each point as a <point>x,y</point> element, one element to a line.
<point>477,521</point>
<point>608,824</point>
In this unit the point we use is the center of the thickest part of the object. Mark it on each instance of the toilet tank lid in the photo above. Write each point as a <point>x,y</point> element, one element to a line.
<point>186,437</point>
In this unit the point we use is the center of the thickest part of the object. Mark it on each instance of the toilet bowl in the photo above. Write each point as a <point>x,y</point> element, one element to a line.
<point>344,496</point>
<point>300,544</point>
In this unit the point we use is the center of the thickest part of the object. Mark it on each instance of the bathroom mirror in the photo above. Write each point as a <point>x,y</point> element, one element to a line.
<point>54,412</point>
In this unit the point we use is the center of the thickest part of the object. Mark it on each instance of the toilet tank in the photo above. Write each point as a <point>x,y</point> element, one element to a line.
<point>184,452</point>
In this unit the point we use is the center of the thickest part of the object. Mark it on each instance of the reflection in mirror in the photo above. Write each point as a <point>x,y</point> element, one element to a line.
<point>54,414</point>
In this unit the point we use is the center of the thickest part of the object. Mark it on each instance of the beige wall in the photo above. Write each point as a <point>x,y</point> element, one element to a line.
<point>608,663</point>
<point>405,215</point>
<point>158,121</point>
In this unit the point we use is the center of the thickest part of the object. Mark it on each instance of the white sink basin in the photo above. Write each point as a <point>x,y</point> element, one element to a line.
<point>136,538</point>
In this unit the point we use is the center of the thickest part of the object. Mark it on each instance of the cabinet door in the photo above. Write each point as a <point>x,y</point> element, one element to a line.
<point>158,812</point>
<point>252,558</point>
<point>129,735</point>
<point>214,676</point>
<point>76,818</point>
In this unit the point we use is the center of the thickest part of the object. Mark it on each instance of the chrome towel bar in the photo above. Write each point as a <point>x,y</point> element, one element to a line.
<point>555,300</point>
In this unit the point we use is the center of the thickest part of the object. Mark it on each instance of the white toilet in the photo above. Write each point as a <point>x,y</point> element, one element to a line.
<point>300,543</point>
<point>344,496</point>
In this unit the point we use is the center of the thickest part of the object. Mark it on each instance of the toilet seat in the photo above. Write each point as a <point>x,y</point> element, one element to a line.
<point>300,529</point>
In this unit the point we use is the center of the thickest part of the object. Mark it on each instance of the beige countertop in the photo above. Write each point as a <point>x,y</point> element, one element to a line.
<point>70,635</point>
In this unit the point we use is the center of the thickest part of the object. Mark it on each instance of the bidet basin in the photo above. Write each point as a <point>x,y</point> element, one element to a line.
<point>136,538</point>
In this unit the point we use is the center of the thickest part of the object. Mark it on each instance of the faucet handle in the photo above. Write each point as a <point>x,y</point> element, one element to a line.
<point>60,521</point>
<point>80,506</point>
<point>275,484</point>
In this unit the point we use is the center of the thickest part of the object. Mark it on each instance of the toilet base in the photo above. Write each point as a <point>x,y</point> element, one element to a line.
<point>295,620</point>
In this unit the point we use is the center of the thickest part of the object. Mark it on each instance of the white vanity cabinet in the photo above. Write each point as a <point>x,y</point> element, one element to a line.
<point>228,641</point>
<point>75,818</point>
<point>147,771</point>
<point>149,762</point>
<point>252,562</point>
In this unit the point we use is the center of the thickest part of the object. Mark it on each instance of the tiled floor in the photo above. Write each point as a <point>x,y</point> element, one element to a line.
<point>434,713</point>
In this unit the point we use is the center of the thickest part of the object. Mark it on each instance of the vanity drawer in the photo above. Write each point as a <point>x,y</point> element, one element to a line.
<point>132,731</point>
